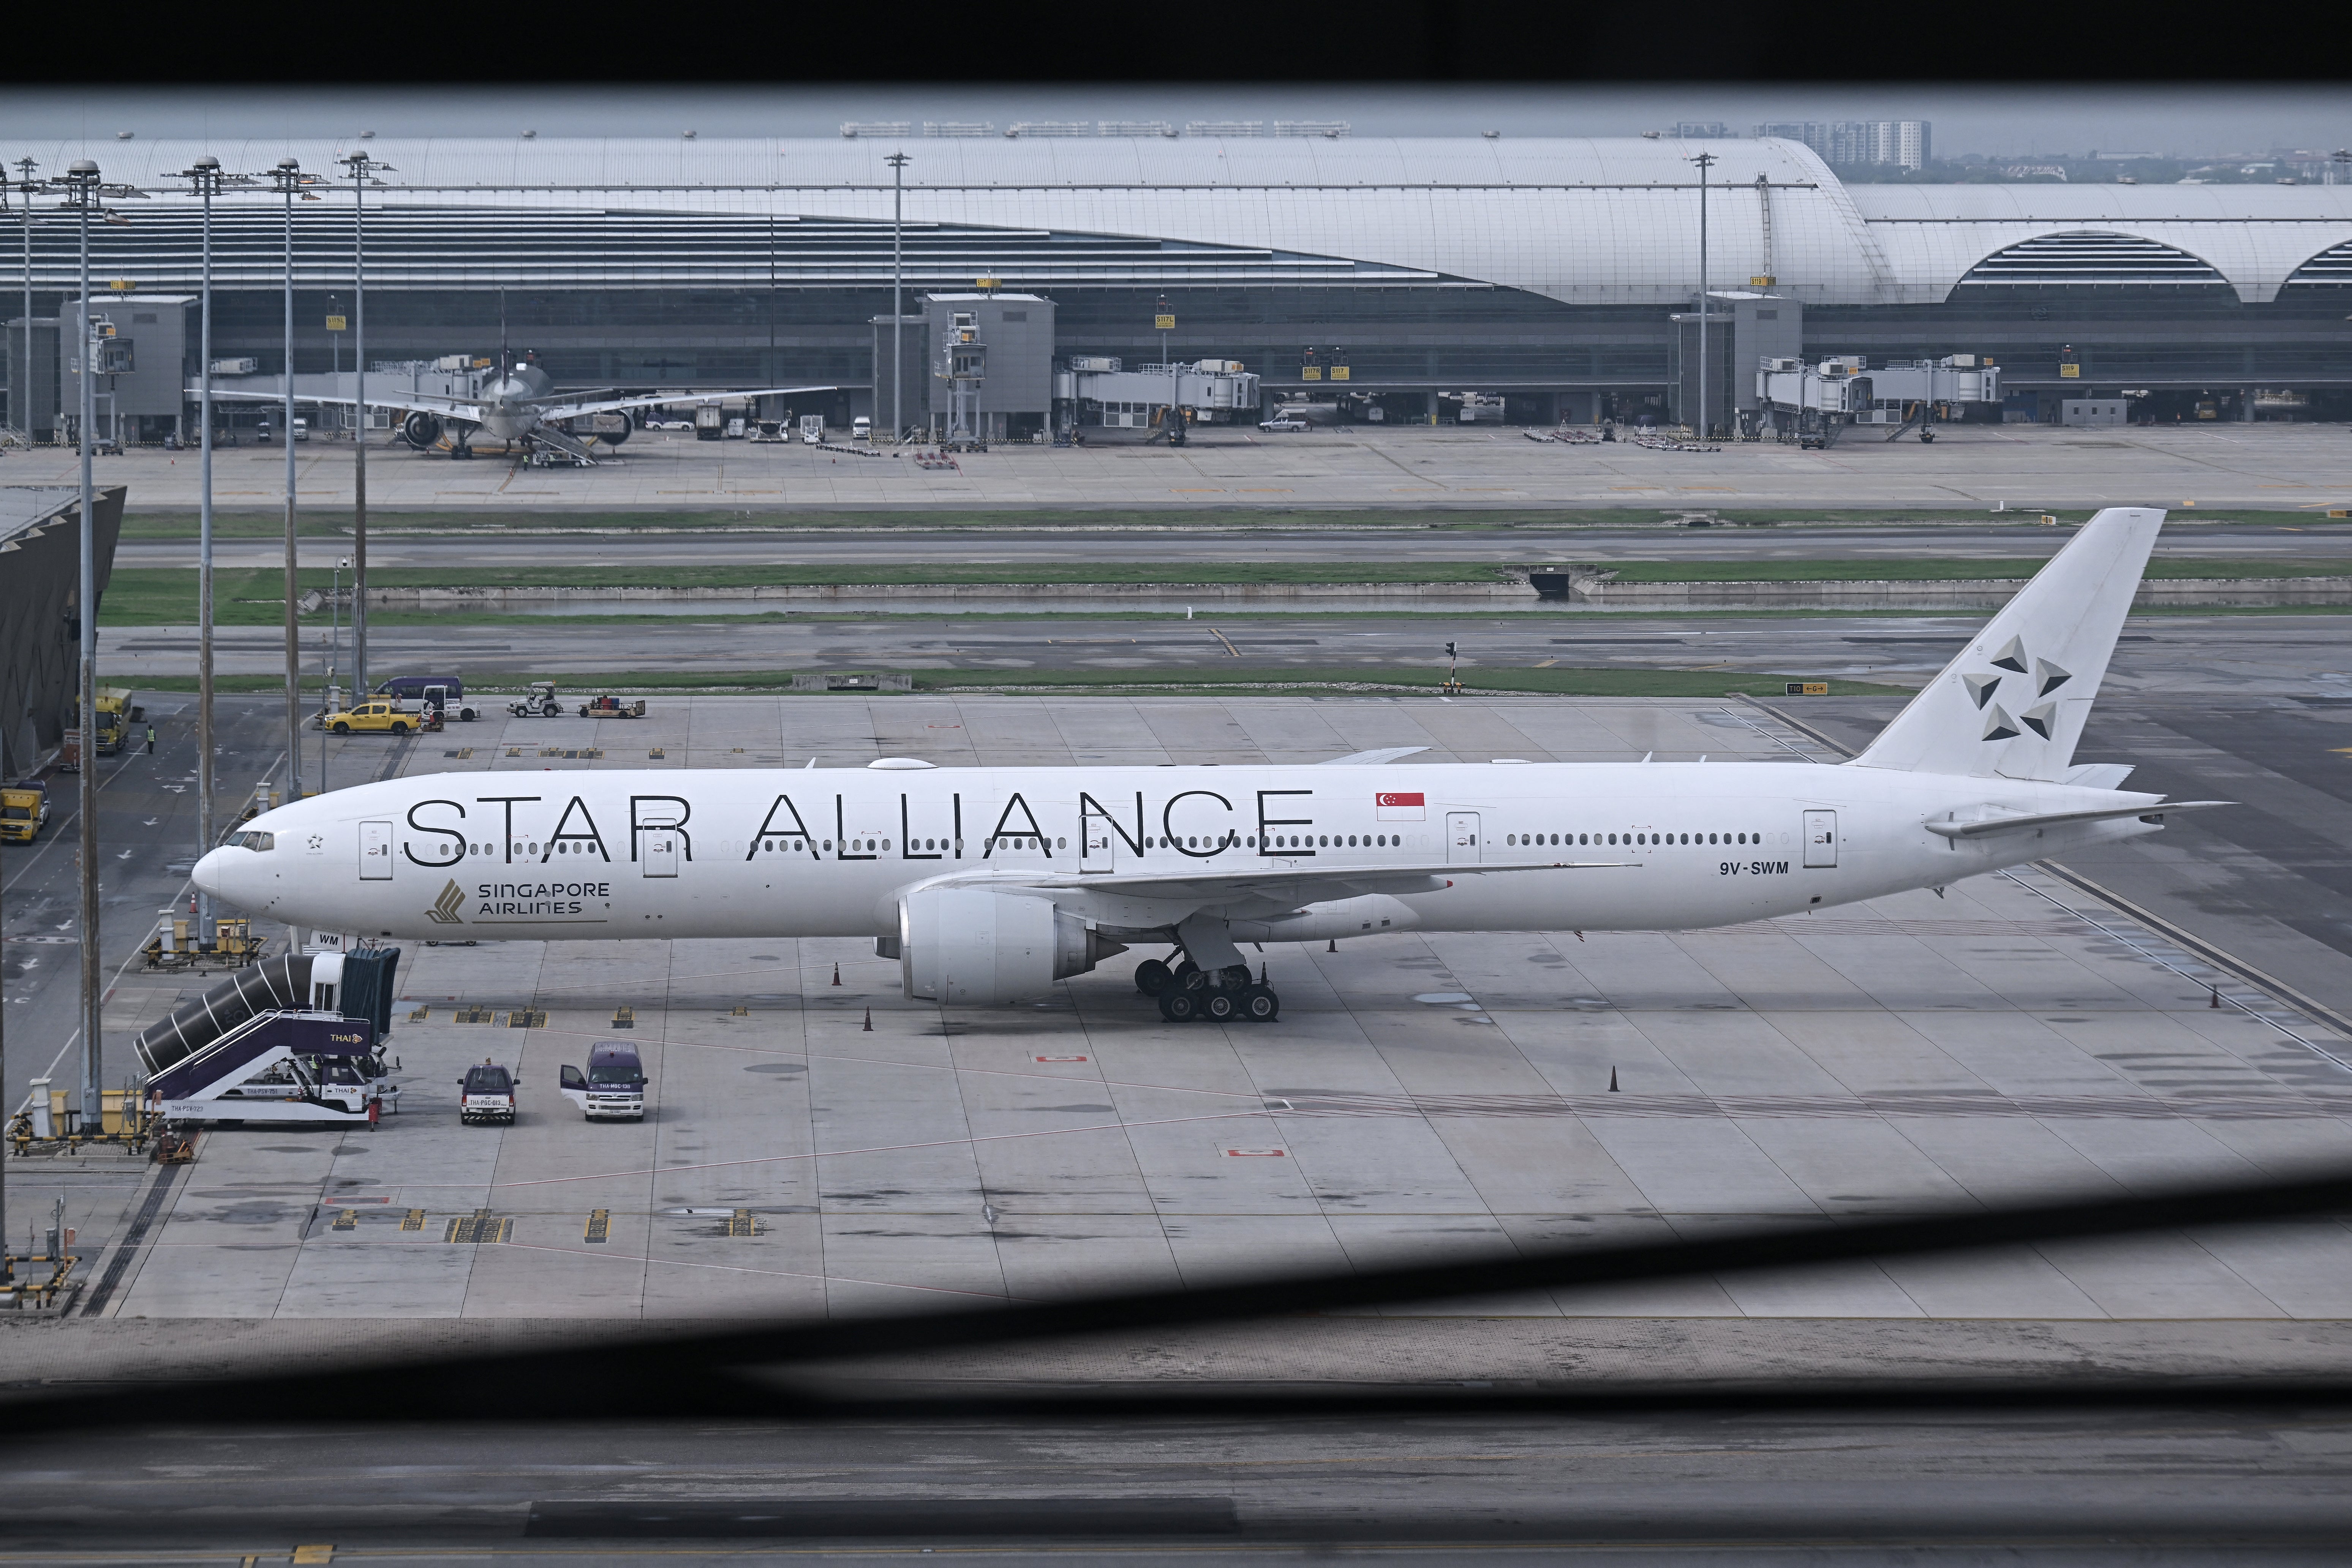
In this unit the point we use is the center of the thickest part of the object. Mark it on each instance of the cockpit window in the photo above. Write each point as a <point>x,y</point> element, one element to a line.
<point>264,842</point>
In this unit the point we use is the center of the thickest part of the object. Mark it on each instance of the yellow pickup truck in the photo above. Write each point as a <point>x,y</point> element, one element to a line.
<point>23,809</point>
<point>377,715</point>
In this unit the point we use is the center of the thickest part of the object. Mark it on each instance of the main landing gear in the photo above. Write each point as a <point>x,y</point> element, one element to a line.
<point>1226,996</point>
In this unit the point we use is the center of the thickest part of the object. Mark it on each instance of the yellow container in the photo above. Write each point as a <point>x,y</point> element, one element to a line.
<point>112,1103</point>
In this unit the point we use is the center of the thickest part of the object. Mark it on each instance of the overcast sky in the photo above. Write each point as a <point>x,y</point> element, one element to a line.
<point>2002,122</point>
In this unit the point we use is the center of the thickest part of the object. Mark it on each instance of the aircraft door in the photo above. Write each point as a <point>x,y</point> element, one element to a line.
<point>1099,846</point>
<point>1821,838</point>
<point>1462,838</point>
<point>376,851</point>
<point>658,852</point>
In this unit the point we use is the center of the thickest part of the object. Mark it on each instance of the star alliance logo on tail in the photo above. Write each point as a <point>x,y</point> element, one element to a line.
<point>445,908</point>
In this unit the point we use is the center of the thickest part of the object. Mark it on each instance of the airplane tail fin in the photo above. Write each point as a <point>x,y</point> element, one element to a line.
<point>2013,703</point>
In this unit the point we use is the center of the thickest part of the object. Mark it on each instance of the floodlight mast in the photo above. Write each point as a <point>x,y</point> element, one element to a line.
<point>1705,161</point>
<point>24,186</point>
<point>289,179</point>
<point>898,162</point>
<point>81,186</point>
<point>206,179</point>
<point>362,170</point>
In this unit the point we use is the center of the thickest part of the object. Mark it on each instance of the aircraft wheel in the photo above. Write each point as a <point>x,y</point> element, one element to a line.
<point>1151,976</point>
<point>342,729</point>
<point>1219,1006</point>
<point>1179,1006</point>
<point>1259,1004</point>
<point>1184,971</point>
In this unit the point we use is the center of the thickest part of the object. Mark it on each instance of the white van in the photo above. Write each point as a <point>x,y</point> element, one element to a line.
<point>861,428</point>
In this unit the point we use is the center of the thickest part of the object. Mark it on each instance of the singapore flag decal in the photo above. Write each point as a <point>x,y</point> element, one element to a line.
<point>1396,807</point>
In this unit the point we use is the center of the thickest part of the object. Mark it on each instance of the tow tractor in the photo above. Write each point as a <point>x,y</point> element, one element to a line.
<point>608,706</point>
<point>541,701</point>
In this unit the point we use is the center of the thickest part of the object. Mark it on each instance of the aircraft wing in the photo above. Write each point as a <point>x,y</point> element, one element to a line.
<point>1380,757</point>
<point>1294,884</point>
<point>553,411</point>
<point>1954,828</point>
<point>451,406</point>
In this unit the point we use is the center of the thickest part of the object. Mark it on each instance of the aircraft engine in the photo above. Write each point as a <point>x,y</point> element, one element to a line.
<point>421,429</point>
<point>974,945</point>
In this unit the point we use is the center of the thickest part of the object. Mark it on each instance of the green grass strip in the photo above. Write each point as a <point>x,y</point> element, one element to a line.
<point>168,522</point>
<point>1628,682</point>
<point>1869,570</point>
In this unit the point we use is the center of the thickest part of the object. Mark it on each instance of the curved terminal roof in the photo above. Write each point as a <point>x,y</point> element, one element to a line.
<point>1586,221</point>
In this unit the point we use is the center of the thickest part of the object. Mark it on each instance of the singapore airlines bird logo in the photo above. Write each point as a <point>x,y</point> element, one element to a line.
<point>445,908</point>
<point>2047,676</point>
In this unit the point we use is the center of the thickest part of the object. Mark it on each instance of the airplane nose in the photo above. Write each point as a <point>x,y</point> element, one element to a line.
<point>211,872</point>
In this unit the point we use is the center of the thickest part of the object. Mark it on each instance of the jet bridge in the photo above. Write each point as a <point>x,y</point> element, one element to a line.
<point>1810,404</point>
<point>297,1039</point>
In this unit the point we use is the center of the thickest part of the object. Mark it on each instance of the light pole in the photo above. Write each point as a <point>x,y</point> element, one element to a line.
<point>81,187</point>
<point>25,167</point>
<point>1705,161</point>
<point>19,393</point>
<point>208,180</point>
<point>362,170</point>
<point>898,162</point>
<point>289,179</point>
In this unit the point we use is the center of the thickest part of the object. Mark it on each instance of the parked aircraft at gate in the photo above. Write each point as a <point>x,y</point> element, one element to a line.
<point>519,404</point>
<point>990,884</point>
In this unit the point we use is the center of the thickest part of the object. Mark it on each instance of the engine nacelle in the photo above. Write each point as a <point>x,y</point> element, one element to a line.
<point>969,946</point>
<point>421,429</point>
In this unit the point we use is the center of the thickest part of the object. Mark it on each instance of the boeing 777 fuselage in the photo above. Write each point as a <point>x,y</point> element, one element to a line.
<point>990,884</point>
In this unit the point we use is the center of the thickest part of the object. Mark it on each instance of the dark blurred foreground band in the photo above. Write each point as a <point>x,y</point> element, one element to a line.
<point>792,1368</point>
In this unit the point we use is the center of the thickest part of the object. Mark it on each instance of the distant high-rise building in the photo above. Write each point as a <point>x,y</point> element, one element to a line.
<point>1850,143</point>
<point>1702,131</point>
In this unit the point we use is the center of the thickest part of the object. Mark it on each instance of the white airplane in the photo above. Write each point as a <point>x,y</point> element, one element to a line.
<point>520,406</point>
<point>991,884</point>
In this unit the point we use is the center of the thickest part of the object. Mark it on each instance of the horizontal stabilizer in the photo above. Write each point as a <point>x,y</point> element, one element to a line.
<point>2151,812</point>
<point>2098,776</point>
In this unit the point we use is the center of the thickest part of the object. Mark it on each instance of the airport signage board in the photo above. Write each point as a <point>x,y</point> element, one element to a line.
<point>338,324</point>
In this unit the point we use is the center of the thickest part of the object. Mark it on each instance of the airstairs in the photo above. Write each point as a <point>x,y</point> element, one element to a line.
<point>551,447</point>
<point>293,1040</point>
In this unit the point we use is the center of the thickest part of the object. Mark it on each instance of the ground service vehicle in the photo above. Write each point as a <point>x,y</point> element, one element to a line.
<point>710,424</point>
<point>445,692</point>
<point>486,1094</point>
<point>115,714</point>
<point>539,701</point>
<point>1282,422</point>
<point>377,715</point>
<point>24,809</point>
<point>812,429</point>
<point>861,428</point>
<point>611,707</point>
<point>614,1087</point>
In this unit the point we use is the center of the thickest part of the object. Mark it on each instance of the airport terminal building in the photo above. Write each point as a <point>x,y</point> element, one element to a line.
<point>1547,275</point>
